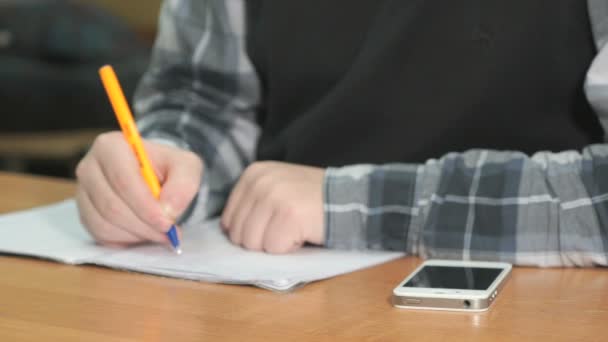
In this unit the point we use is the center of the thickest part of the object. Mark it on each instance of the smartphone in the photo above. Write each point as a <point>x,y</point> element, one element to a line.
<point>452,285</point>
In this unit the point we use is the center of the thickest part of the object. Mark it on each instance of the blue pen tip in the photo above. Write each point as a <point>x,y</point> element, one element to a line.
<point>174,239</point>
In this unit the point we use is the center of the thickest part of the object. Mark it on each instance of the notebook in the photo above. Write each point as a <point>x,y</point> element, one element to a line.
<point>54,232</point>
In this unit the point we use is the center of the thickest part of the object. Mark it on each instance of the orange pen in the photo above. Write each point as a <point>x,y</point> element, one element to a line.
<point>131,134</point>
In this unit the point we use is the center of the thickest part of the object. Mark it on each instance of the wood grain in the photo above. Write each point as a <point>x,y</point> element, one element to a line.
<point>45,301</point>
<point>22,192</point>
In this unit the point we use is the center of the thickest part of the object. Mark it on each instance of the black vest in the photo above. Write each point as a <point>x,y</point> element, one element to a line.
<point>377,81</point>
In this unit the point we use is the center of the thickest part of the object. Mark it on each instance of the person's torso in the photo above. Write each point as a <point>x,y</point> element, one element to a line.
<point>380,81</point>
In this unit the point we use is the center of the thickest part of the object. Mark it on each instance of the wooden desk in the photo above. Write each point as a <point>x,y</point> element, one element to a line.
<point>45,301</point>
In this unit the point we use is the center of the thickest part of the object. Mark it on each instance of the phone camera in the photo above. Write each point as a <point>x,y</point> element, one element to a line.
<point>467,304</point>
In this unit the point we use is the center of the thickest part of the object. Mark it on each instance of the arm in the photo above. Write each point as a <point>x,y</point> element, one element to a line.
<point>544,210</point>
<point>200,93</point>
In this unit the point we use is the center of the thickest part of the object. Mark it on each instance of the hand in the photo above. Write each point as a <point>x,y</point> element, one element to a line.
<point>276,207</point>
<point>116,205</point>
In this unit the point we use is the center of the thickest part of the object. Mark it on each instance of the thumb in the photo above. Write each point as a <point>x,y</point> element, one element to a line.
<point>180,172</point>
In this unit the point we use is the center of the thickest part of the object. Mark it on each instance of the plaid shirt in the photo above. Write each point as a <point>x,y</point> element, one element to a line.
<point>549,209</point>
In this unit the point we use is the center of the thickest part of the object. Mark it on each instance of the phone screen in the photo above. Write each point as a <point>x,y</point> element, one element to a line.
<point>457,278</point>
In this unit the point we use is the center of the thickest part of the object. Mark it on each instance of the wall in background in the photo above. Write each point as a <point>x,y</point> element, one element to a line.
<point>142,14</point>
<point>55,152</point>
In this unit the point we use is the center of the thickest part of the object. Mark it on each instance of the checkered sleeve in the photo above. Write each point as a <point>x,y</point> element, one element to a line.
<point>550,209</point>
<point>200,93</point>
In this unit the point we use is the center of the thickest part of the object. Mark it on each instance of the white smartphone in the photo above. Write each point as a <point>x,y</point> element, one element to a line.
<point>452,285</point>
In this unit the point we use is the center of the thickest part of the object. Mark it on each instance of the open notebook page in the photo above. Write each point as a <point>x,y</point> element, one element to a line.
<point>51,232</point>
<point>54,232</point>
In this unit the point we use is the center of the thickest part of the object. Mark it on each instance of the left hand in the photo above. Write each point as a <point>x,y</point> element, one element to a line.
<point>276,207</point>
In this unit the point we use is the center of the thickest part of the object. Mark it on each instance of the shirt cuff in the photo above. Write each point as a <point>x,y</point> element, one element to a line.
<point>370,207</point>
<point>344,224</point>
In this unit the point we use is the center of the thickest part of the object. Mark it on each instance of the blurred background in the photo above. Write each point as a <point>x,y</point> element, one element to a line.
<point>53,104</point>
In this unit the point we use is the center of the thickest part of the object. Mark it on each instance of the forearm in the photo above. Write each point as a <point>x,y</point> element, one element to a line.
<point>226,150</point>
<point>195,97</point>
<point>548,210</point>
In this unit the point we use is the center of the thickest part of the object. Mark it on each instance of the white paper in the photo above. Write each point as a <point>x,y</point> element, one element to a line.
<point>54,232</point>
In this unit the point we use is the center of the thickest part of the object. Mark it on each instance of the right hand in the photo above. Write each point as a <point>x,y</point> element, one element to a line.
<point>116,205</point>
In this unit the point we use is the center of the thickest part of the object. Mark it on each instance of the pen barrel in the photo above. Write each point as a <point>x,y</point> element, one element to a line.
<point>128,127</point>
<point>152,181</point>
<point>132,136</point>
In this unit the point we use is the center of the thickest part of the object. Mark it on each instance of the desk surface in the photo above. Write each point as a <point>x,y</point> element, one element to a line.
<point>46,301</point>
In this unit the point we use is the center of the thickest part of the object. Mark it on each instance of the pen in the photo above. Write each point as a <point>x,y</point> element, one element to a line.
<point>131,134</point>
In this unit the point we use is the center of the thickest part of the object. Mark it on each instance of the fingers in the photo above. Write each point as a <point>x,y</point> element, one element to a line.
<point>231,205</point>
<point>245,207</point>
<point>249,212</point>
<point>235,201</point>
<point>111,208</point>
<point>253,230</point>
<point>116,205</point>
<point>278,239</point>
<point>276,207</point>
<point>103,231</point>
<point>121,170</point>
<point>262,229</point>
<point>254,216</point>
<point>182,173</point>
<point>230,209</point>
<point>244,197</point>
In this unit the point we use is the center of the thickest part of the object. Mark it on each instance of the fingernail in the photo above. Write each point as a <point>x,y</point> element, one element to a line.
<point>168,212</point>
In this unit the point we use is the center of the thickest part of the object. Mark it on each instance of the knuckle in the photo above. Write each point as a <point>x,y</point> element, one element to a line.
<point>176,203</point>
<point>224,222</point>
<point>102,238</point>
<point>104,145</point>
<point>285,244</point>
<point>84,220</point>
<point>288,211</point>
<point>153,217</point>
<point>99,143</point>
<point>262,184</point>
<point>266,163</point>
<point>276,194</point>
<point>102,233</point>
<point>193,160</point>
<point>110,209</point>
<point>277,189</point>
<point>81,168</point>
<point>251,245</point>
<point>105,139</point>
<point>255,168</point>
<point>179,196</point>
<point>186,193</point>
<point>151,235</point>
<point>234,237</point>
<point>120,181</point>
<point>109,241</point>
<point>275,248</point>
<point>159,222</point>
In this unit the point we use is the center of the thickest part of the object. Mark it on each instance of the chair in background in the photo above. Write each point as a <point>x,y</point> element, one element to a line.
<point>53,104</point>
